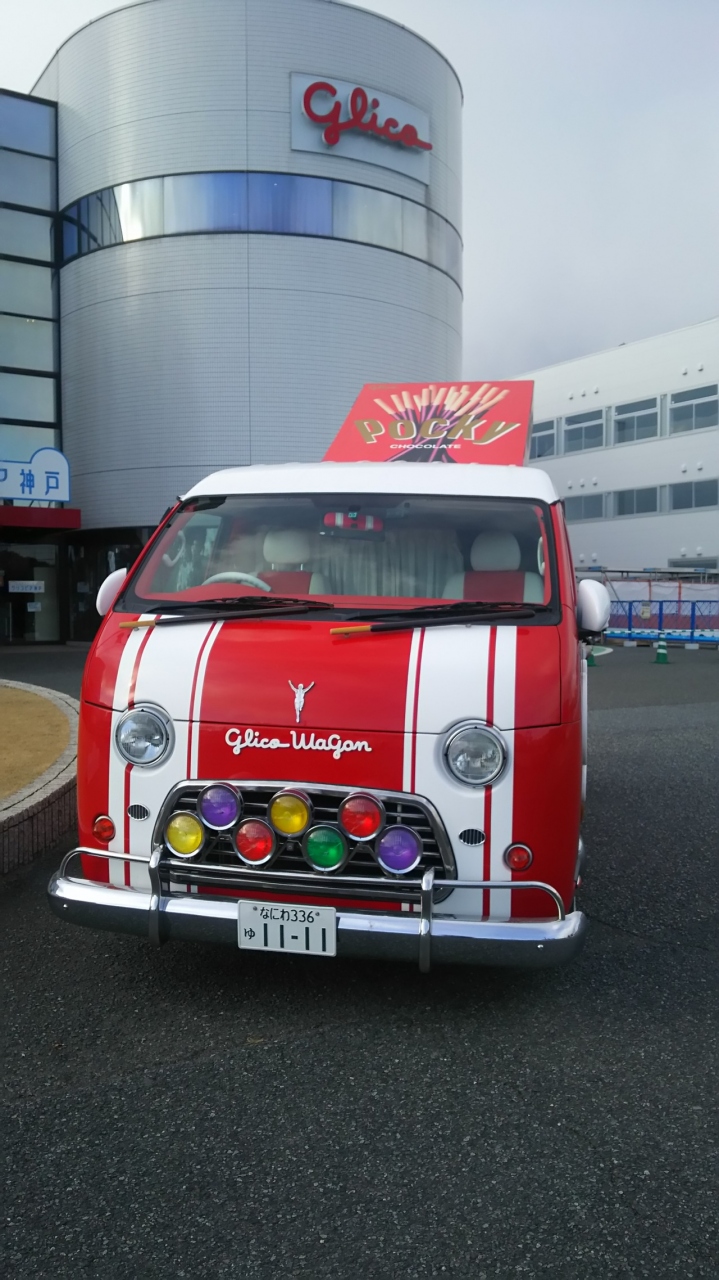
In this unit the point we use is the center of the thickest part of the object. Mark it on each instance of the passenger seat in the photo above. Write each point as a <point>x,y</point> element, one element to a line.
<point>495,574</point>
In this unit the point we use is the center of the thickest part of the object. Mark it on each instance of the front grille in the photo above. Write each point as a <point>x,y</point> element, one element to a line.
<point>219,851</point>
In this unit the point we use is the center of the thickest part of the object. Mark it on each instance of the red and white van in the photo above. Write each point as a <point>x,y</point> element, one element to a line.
<point>339,709</point>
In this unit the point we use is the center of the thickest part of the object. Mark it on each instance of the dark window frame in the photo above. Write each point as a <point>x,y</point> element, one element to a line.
<point>693,505</point>
<point>582,498</point>
<point>691,400</point>
<point>624,493</point>
<point>578,425</point>
<point>538,437</point>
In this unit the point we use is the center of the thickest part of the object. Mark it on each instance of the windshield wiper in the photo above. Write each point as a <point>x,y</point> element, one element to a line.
<point>226,609</point>
<point>239,603</point>
<point>458,613</point>
<point>448,610</point>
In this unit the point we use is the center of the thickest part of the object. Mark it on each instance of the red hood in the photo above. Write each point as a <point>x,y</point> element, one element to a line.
<point>250,672</point>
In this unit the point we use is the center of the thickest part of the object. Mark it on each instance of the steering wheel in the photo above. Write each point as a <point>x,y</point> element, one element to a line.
<point>233,575</point>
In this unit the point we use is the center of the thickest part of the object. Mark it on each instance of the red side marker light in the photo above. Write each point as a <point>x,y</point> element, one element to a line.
<point>518,857</point>
<point>103,828</point>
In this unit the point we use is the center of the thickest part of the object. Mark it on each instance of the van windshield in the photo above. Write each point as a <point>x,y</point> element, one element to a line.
<point>355,550</point>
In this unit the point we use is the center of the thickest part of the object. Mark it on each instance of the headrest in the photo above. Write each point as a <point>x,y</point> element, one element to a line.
<point>286,546</point>
<point>495,551</point>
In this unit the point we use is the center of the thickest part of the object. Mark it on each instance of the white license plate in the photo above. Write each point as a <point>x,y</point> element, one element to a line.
<point>275,926</point>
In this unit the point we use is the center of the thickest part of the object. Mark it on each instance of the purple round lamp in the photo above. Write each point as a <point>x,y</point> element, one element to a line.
<point>399,849</point>
<point>219,806</point>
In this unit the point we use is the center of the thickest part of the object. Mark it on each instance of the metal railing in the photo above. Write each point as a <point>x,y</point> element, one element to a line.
<point>680,621</point>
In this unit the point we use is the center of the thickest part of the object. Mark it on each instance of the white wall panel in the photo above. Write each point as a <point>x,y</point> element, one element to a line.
<point>668,362</point>
<point>185,354</point>
<point>669,460</point>
<point>201,142</point>
<point>163,87</point>
<point>645,542</point>
<point>190,353</point>
<point>654,367</point>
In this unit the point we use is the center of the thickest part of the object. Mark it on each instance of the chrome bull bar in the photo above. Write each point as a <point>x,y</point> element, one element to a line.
<point>424,936</point>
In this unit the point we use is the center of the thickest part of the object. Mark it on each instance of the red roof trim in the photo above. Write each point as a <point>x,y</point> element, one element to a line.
<point>40,517</point>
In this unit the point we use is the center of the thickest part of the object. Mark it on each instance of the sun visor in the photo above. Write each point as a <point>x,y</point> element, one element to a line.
<point>486,422</point>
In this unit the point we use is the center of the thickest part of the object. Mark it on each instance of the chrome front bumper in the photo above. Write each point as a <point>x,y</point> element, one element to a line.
<point>424,938</point>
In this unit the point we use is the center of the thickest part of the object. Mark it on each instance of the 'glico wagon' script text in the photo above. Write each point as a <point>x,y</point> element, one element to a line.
<point>240,739</point>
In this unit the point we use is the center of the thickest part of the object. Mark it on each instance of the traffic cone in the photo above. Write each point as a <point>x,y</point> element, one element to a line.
<point>662,649</point>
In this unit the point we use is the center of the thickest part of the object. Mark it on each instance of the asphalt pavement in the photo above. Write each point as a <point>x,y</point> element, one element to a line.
<point>53,666</point>
<point>191,1113</point>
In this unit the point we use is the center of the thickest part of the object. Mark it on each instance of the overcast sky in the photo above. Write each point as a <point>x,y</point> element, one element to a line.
<point>591,182</point>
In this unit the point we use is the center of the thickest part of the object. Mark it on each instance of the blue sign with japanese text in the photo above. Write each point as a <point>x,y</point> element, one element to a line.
<point>45,478</point>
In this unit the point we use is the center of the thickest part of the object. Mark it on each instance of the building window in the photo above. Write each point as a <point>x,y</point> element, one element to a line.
<point>708,564</point>
<point>25,397</point>
<point>588,506</point>
<point>27,343</point>
<point>372,217</point>
<point>584,431</point>
<point>268,203</point>
<point>27,125</point>
<point>26,235</point>
<point>217,201</point>
<point>18,442</point>
<point>542,442</point>
<point>27,180</point>
<point>636,502</point>
<point>26,290</point>
<point>636,421</point>
<point>692,410</point>
<point>415,230</point>
<point>694,493</point>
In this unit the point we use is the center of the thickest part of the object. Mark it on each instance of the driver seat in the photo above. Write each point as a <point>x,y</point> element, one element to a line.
<point>495,574</point>
<point>287,552</point>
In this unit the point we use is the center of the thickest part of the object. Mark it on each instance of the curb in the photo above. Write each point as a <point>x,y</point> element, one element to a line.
<point>37,817</point>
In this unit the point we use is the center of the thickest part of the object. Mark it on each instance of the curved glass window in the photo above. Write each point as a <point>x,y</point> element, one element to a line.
<point>270,203</point>
<point>193,200</point>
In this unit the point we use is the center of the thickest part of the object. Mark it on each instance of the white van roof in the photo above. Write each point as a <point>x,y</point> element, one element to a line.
<point>380,477</point>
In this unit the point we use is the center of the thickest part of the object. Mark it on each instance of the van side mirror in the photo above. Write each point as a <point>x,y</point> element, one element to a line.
<point>109,590</point>
<point>594,605</point>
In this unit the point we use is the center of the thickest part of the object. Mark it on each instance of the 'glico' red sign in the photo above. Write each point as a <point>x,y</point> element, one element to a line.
<point>359,104</point>
<point>425,422</point>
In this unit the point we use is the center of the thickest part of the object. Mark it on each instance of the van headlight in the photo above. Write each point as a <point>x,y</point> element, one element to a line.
<point>144,735</point>
<point>475,754</point>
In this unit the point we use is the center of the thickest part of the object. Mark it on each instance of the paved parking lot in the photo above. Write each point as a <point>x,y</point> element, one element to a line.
<point>54,666</point>
<point>187,1113</point>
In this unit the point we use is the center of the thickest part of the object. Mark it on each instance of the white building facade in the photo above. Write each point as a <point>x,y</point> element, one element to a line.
<point>630,438</point>
<point>233,267</point>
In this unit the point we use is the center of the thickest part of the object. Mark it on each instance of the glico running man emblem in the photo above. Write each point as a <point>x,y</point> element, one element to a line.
<point>300,691</point>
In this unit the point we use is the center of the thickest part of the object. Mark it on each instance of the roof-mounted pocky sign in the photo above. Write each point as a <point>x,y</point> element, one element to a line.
<point>359,123</point>
<point>486,422</point>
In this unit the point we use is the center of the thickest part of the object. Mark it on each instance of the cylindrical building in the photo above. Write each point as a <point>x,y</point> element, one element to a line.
<point>260,212</point>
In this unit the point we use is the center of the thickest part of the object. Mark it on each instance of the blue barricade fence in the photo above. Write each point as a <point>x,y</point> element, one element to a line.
<point>681,621</point>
